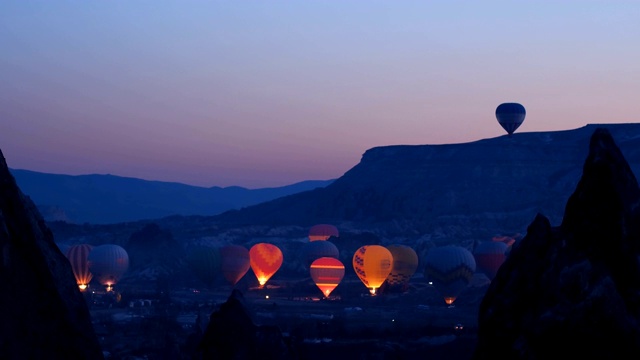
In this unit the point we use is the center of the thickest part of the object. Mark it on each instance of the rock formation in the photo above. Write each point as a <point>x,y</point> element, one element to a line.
<point>43,315</point>
<point>573,290</point>
<point>232,334</point>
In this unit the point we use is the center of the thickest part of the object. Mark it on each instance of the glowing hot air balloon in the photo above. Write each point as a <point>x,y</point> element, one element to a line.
<point>450,269</point>
<point>205,263</point>
<point>372,264</point>
<point>405,263</point>
<point>235,262</point>
<point>78,257</point>
<point>321,232</point>
<point>316,249</point>
<point>327,273</point>
<point>108,263</point>
<point>510,116</point>
<point>489,256</point>
<point>265,260</point>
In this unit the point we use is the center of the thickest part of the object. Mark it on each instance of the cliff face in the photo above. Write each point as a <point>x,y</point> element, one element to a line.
<point>463,191</point>
<point>574,289</point>
<point>43,314</point>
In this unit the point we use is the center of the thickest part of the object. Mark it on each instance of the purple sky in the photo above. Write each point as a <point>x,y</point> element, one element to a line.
<point>268,93</point>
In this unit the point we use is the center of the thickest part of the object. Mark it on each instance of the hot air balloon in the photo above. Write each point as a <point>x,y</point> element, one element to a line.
<point>372,264</point>
<point>327,272</point>
<point>405,263</point>
<point>316,249</point>
<point>234,262</point>
<point>108,263</point>
<point>489,255</point>
<point>510,116</point>
<point>450,269</point>
<point>265,260</point>
<point>78,257</point>
<point>322,232</point>
<point>205,263</point>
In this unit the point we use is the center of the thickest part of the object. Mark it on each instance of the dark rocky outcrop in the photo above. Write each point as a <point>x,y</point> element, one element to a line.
<point>573,290</point>
<point>232,334</point>
<point>469,190</point>
<point>43,315</point>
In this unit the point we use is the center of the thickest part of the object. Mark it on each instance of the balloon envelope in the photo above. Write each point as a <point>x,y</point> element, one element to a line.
<point>321,232</point>
<point>265,260</point>
<point>405,264</point>
<point>78,257</point>
<point>489,256</point>
<point>316,249</point>
<point>234,262</point>
<point>108,263</point>
<point>205,263</point>
<point>450,269</point>
<point>510,116</point>
<point>372,264</point>
<point>327,273</point>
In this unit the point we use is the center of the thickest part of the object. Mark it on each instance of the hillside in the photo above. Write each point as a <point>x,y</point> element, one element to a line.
<point>450,192</point>
<point>105,199</point>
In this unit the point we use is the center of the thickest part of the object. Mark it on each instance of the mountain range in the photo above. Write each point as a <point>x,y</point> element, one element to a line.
<point>106,199</point>
<point>418,194</point>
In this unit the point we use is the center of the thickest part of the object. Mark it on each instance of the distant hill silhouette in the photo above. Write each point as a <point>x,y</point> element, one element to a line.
<point>453,192</point>
<point>107,199</point>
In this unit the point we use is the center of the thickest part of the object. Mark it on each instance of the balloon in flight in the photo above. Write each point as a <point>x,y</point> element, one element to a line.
<point>450,269</point>
<point>327,273</point>
<point>321,232</point>
<point>372,264</point>
<point>510,116</point>
<point>108,263</point>
<point>265,260</point>
<point>234,262</point>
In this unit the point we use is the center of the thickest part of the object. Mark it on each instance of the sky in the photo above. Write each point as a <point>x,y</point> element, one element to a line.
<point>269,93</point>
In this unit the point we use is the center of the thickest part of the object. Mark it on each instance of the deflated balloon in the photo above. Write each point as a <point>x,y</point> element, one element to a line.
<point>510,116</point>
<point>450,269</point>
<point>265,260</point>
<point>321,232</point>
<point>234,262</point>
<point>372,264</point>
<point>327,273</point>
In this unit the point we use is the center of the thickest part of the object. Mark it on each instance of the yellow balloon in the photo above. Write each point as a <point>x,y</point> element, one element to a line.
<point>372,264</point>
<point>405,264</point>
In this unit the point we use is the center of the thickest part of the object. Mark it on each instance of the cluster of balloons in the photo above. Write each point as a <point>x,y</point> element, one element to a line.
<point>234,261</point>
<point>107,263</point>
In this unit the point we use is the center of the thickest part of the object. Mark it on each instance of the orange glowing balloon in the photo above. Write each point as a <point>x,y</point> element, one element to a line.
<point>372,264</point>
<point>77,256</point>
<point>327,273</point>
<point>321,232</point>
<point>265,260</point>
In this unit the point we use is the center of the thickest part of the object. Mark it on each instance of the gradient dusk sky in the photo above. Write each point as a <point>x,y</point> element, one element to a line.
<point>269,93</point>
